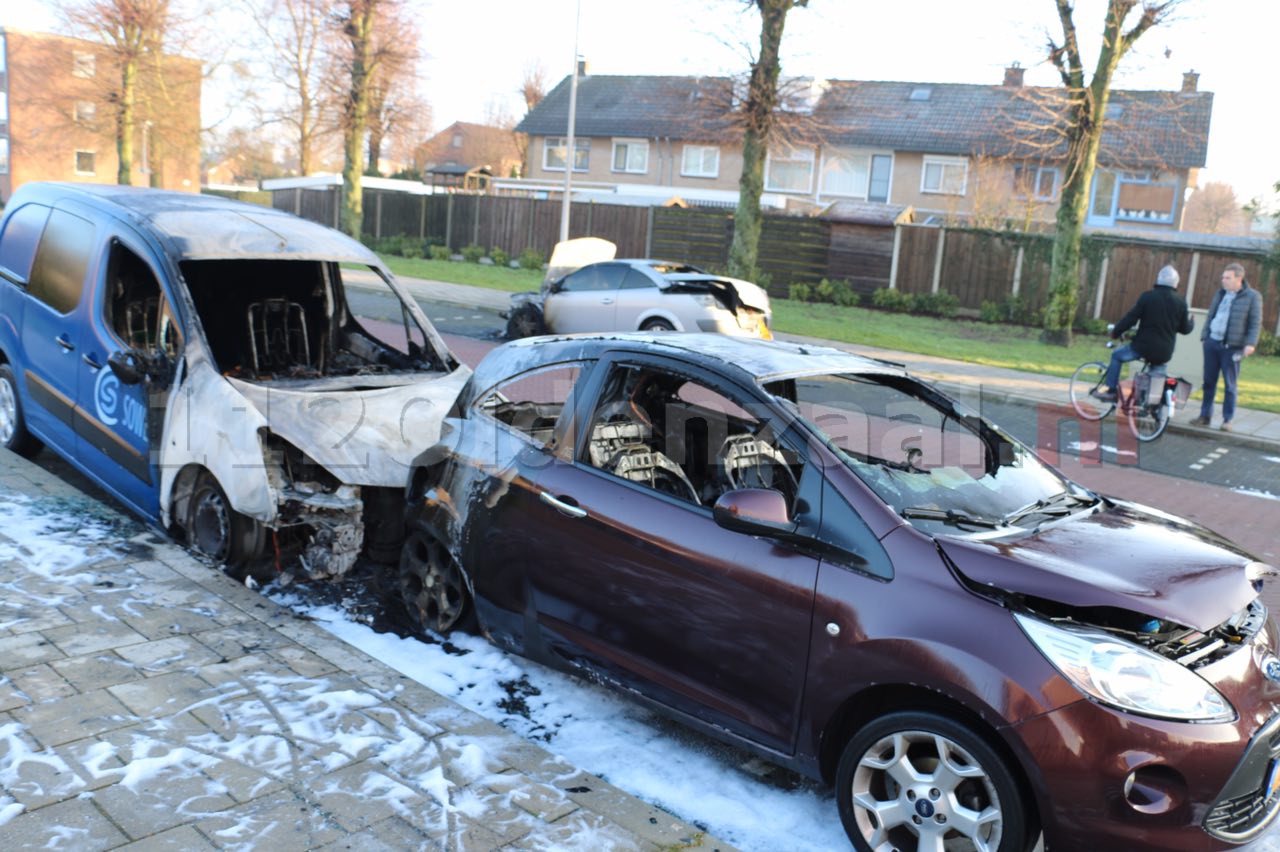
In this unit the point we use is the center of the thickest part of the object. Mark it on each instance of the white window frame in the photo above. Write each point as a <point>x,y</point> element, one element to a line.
<point>75,162</point>
<point>796,155</point>
<point>700,152</point>
<point>84,64</point>
<point>832,153</point>
<point>1026,182</point>
<point>83,116</point>
<point>629,145</point>
<point>943,163</point>
<point>4,102</point>
<point>579,143</point>
<point>4,155</point>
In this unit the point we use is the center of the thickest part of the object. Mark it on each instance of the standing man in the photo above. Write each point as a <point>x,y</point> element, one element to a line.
<point>1161,315</point>
<point>1231,333</point>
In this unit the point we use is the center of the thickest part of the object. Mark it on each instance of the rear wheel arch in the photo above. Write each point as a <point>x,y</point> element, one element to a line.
<point>876,701</point>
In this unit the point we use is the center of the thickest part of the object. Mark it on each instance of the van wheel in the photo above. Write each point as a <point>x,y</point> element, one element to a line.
<point>433,588</point>
<point>657,325</point>
<point>13,429</point>
<point>916,780</point>
<point>219,532</point>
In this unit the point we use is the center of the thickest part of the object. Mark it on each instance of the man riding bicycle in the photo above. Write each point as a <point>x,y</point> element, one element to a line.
<point>1161,315</point>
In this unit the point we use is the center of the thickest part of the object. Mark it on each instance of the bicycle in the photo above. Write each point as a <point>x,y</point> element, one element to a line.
<point>1148,402</point>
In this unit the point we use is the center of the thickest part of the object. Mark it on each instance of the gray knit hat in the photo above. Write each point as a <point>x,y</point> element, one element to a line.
<point>1168,277</point>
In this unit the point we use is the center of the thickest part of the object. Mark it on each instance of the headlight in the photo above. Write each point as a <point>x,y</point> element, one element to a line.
<point>1126,676</point>
<point>706,300</point>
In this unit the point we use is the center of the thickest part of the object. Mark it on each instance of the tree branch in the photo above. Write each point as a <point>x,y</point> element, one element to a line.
<point>1073,75</point>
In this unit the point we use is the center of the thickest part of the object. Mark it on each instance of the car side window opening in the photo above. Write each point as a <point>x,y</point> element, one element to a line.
<point>598,276</point>
<point>19,240</point>
<point>678,436</point>
<point>62,261</point>
<point>916,452</point>
<point>135,308</point>
<point>637,280</point>
<point>531,403</point>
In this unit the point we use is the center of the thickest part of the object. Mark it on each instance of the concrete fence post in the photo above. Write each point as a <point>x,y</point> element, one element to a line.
<point>448,221</point>
<point>648,233</point>
<point>475,221</point>
<point>893,264</point>
<point>297,201</point>
<point>422,218</point>
<point>1017,270</point>
<point>1102,287</point>
<point>1191,277</point>
<point>377,215</point>
<point>937,259</point>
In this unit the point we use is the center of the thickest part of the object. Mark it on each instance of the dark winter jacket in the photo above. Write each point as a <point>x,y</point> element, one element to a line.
<point>1160,314</point>
<point>1246,317</point>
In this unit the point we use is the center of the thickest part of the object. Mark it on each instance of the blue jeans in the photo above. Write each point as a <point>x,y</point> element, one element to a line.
<point>1220,358</point>
<point>1119,358</point>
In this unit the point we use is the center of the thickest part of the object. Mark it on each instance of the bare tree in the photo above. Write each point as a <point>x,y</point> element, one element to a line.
<point>393,94</point>
<point>134,33</point>
<point>533,85</point>
<point>1214,209</point>
<point>364,52</point>
<point>300,39</point>
<point>758,119</point>
<point>1085,115</point>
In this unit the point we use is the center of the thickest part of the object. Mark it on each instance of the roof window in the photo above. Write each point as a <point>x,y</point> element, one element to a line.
<point>920,93</point>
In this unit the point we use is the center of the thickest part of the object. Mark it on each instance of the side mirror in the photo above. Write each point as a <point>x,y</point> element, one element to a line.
<point>127,366</point>
<point>754,511</point>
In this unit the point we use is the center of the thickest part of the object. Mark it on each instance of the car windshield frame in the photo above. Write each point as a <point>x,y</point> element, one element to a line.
<point>1008,490</point>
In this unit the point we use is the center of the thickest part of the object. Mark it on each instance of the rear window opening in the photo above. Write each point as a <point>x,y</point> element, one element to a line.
<point>290,319</point>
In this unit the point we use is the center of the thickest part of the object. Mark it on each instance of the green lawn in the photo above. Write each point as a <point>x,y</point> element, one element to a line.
<point>475,274</point>
<point>1010,346</point>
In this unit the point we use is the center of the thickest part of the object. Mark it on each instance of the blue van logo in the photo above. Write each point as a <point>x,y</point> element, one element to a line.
<point>114,407</point>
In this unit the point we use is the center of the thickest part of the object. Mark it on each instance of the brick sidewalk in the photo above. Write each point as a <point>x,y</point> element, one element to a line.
<point>149,701</point>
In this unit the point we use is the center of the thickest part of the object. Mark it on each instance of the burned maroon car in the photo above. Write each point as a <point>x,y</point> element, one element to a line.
<point>829,563</point>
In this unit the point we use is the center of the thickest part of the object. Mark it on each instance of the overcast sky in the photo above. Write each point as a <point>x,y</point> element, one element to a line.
<point>476,52</point>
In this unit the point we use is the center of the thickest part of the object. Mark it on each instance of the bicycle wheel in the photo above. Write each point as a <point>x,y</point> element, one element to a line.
<point>1089,377</point>
<point>1147,422</point>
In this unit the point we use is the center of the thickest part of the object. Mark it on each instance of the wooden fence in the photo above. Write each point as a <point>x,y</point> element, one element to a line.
<point>974,265</point>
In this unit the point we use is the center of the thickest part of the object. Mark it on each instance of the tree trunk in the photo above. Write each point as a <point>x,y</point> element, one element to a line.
<point>360,34</point>
<point>375,147</point>
<point>762,97</point>
<point>125,121</point>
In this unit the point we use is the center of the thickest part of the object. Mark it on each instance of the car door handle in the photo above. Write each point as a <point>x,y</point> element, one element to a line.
<point>92,362</point>
<point>607,300</point>
<point>562,507</point>
<point>65,342</point>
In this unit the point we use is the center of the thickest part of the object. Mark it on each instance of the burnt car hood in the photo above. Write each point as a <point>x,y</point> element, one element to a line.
<point>744,292</point>
<point>1123,555</point>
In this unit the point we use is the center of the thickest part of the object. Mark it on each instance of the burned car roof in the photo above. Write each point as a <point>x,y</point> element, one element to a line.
<point>755,360</point>
<point>204,227</point>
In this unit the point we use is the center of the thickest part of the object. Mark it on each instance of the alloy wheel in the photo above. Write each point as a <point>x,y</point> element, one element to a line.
<point>211,523</point>
<point>432,587</point>
<point>8,412</point>
<point>920,790</point>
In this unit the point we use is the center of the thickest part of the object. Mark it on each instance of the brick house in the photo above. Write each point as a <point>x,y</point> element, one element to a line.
<point>57,122</point>
<point>956,151</point>
<point>472,145</point>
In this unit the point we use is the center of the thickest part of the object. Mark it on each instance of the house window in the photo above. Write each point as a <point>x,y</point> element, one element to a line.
<point>4,104</point>
<point>845,173</point>
<point>944,175</point>
<point>85,163</point>
<point>4,156</point>
<point>1132,197</point>
<point>457,140</point>
<point>83,65</point>
<point>881,172</point>
<point>700,161</point>
<point>789,170</point>
<point>85,112</point>
<point>553,154</point>
<point>631,156</point>
<point>1038,182</point>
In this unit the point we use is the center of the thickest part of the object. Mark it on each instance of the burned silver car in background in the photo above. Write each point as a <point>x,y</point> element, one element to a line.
<point>587,290</point>
<point>211,372</point>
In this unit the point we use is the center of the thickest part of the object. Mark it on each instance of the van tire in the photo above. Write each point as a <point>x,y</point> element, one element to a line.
<point>217,531</point>
<point>13,427</point>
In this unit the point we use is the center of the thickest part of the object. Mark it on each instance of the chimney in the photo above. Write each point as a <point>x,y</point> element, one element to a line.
<point>1189,82</point>
<point>583,68</point>
<point>1013,76</point>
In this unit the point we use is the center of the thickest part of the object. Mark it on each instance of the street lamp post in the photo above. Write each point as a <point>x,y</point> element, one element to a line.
<point>570,150</point>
